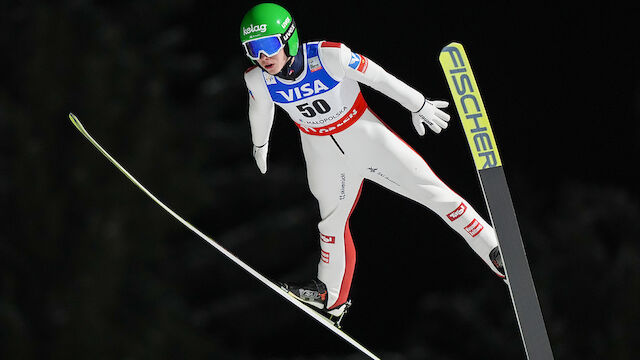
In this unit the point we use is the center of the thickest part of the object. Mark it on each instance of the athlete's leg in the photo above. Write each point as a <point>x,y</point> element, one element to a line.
<point>396,166</point>
<point>336,188</point>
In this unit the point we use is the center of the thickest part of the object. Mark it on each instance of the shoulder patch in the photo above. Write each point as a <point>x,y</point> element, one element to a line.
<point>331,44</point>
<point>358,62</point>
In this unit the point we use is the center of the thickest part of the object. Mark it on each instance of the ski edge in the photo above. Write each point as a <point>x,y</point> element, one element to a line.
<point>318,317</point>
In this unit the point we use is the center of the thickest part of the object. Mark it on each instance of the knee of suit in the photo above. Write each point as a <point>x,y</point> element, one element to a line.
<point>438,197</point>
<point>334,221</point>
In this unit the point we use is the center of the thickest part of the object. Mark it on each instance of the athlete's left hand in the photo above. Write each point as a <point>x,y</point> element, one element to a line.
<point>430,114</point>
<point>260,154</point>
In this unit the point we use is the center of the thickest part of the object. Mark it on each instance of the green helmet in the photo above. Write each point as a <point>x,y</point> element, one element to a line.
<point>267,20</point>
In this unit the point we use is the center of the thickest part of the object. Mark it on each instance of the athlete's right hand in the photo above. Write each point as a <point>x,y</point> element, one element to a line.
<point>260,154</point>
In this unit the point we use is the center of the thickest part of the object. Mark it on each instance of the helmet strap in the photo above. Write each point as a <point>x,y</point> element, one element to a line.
<point>289,32</point>
<point>287,35</point>
<point>293,67</point>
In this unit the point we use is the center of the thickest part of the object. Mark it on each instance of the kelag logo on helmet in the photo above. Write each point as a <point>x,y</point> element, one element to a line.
<point>253,28</point>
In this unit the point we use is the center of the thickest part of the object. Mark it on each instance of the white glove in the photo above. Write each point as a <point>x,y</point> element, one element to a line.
<point>260,154</point>
<point>431,115</point>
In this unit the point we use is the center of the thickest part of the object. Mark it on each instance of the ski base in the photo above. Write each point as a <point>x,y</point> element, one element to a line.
<point>520,281</point>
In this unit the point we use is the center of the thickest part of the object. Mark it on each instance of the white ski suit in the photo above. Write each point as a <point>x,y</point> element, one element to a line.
<point>344,142</point>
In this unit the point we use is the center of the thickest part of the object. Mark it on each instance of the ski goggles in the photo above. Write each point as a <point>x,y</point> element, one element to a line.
<point>269,45</point>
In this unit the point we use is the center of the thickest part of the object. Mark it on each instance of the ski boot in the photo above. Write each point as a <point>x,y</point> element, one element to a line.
<point>314,294</point>
<point>496,259</point>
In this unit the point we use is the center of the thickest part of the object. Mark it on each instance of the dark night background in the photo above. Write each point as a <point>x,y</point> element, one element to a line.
<point>90,268</point>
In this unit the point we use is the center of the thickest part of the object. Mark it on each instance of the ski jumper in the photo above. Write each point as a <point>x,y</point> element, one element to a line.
<point>344,142</point>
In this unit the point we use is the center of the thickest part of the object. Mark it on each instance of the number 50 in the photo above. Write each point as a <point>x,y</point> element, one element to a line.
<point>319,105</point>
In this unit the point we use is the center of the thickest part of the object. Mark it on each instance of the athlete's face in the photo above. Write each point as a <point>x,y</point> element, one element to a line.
<point>273,64</point>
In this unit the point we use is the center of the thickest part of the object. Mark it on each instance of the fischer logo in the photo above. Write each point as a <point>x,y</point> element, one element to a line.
<point>254,28</point>
<point>474,228</point>
<point>455,214</point>
<point>467,96</point>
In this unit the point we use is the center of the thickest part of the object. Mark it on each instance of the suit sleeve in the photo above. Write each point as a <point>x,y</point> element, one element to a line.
<point>261,107</point>
<point>342,62</point>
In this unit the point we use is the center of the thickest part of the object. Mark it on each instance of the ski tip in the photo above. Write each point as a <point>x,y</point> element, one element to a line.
<point>452,46</point>
<point>76,122</point>
<point>452,55</point>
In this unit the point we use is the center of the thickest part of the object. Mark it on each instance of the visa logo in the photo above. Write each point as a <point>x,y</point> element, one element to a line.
<point>303,91</point>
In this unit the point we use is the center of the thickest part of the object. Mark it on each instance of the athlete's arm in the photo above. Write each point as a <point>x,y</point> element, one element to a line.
<point>261,112</point>
<point>342,62</point>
